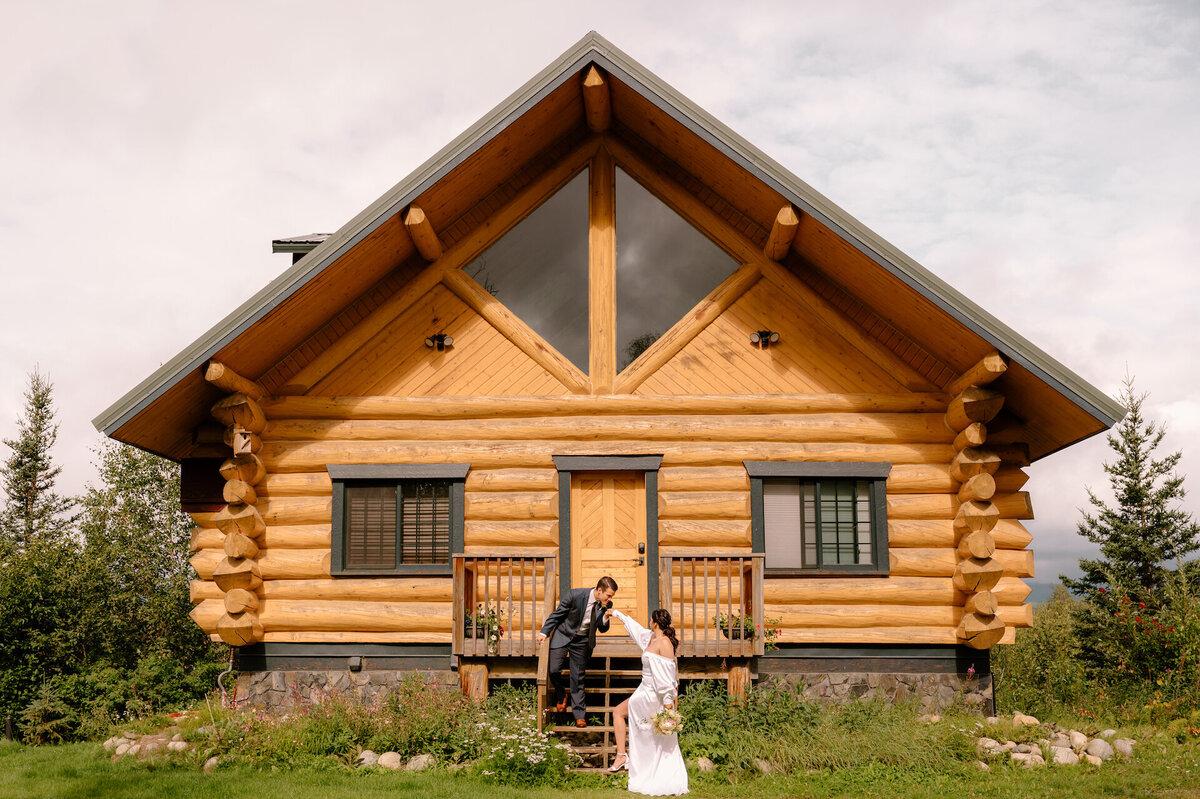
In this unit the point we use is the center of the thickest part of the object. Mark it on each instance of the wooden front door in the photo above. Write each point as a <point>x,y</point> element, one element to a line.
<point>608,527</point>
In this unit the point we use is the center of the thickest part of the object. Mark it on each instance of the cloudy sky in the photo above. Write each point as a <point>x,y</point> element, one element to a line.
<point>1040,157</point>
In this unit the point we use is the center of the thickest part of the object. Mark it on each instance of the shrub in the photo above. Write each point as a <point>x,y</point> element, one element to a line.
<point>48,719</point>
<point>1042,673</point>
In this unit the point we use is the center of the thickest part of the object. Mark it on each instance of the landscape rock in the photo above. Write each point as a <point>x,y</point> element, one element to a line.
<point>150,747</point>
<point>122,749</point>
<point>177,746</point>
<point>1107,733</point>
<point>1022,749</point>
<point>390,760</point>
<point>1095,761</point>
<point>206,730</point>
<point>112,743</point>
<point>1024,758</point>
<point>1060,739</point>
<point>988,746</point>
<point>133,749</point>
<point>1098,747</point>
<point>1009,746</point>
<point>367,758</point>
<point>419,763</point>
<point>1063,756</point>
<point>979,764</point>
<point>1124,746</point>
<point>130,735</point>
<point>992,720</point>
<point>706,765</point>
<point>177,736</point>
<point>1021,720</point>
<point>929,718</point>
<point>763,766</point>
<point>210,764</point>
<point>1078,740</point>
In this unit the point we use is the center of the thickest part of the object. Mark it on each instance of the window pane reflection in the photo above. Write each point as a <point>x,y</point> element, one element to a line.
<point>664,267</point>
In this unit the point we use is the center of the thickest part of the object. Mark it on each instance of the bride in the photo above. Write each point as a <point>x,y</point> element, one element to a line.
<point>654,761</point>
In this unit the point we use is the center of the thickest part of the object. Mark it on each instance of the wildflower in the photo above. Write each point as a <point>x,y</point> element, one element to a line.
<point>1137,619</point>
<point>1103,591</point>
<point>971,671</point>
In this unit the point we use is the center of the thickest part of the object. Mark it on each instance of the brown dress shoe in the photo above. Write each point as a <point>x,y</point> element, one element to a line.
<point>580,722</point>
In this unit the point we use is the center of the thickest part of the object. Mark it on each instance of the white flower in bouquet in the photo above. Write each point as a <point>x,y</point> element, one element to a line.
<point>665,722</point>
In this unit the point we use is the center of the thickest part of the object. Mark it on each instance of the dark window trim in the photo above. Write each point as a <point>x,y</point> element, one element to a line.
<point>567,465</point>
<point>393,474</point>
<point>875,473</point>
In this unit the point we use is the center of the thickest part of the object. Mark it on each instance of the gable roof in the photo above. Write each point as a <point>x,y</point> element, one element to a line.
<point>177,389</point>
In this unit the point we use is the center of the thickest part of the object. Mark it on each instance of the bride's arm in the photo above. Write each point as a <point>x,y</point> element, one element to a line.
<point>639,634</point>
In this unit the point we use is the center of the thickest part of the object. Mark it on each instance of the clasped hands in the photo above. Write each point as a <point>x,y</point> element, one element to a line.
<point>541,636</point>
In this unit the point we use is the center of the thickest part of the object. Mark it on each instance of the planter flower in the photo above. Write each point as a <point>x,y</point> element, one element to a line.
<point>738,626</point>
<point>486,623</point>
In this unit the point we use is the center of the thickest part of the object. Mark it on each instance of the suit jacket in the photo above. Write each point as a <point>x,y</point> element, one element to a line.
<point>568,616</point>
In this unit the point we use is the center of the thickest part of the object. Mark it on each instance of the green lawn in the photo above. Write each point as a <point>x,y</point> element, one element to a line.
<point>81,770</point>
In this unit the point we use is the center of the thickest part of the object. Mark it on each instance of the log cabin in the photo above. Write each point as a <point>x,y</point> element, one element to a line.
<point>600,333</point>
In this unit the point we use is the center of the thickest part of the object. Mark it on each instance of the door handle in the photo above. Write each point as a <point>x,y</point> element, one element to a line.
<point>640,560</point>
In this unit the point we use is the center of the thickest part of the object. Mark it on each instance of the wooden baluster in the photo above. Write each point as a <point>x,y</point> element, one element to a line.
<point>524,644</point>
<point>742,591</point>
<point>457,612</point>
<point>508,649</point>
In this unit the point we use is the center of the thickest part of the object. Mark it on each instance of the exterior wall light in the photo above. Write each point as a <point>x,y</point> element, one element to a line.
<point>764,338</point>
<point>439,342</point>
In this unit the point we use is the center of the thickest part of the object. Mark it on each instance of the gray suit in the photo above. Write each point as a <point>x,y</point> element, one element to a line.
<point>562,626</point>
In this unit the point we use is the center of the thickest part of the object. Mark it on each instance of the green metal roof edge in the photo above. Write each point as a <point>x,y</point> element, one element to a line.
<point>1004,338</point>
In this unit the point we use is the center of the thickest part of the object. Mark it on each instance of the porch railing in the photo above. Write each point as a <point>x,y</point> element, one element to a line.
<point>715,600</point>
<point>508,588</point>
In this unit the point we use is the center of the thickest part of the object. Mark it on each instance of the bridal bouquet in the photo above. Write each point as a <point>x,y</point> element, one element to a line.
<point>665,722</point>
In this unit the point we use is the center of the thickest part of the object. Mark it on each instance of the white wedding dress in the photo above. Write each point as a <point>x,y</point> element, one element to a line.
<point>655,763</point>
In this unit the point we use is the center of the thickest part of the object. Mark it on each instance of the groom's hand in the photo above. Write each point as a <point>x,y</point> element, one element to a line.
<point>608,614</point>
<point>541,636</point>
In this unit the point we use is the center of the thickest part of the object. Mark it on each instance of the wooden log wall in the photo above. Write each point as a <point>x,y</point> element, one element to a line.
<point>239,524</point>
<point>980,565</point>
<point>703,504</point>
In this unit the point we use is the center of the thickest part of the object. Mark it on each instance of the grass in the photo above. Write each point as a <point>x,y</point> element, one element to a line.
<point>75,771</point>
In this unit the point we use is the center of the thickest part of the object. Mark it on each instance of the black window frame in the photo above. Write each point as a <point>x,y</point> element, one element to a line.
<point>341,475</point>
<point>875,474</point>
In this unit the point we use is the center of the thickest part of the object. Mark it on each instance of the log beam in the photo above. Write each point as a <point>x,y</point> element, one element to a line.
<point>973,435</point>
<point>783,231</point>
<point>424,237</point>
<point>516,331</point>
<point>979,488</point>
<point>971,461</point>
<point>977,545</point>
<point>989,368</point>
<point>973,404</point>
<point>597,101</point>
<point>983,603</point>
<point>231,382</point>
<point>239,492</point>
<point>240,410</point>
<point>247,468</point>
<point>980,632</point>
<point>602,269</point>
<point>972,575</point>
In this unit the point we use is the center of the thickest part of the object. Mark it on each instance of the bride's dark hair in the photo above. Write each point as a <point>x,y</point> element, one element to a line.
<point>663,619</point>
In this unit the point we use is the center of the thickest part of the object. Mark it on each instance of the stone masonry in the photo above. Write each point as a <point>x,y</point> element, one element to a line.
<point>934,691</point>
<point>275,690</point>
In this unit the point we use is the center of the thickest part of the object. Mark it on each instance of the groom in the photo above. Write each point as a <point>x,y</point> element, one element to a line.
<point>574,623</point>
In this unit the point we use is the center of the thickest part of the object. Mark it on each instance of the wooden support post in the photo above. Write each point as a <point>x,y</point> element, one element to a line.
<point>783,230</point>
<point>739,680</point>
<point>474,680</point>
<point>228,380</point>
<point>597,102</point>
<point>971,461</point>
<point>424,237</point>
<point>602,272</point>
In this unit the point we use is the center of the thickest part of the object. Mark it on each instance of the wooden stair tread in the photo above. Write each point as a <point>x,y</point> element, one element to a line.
<point>583,730</point>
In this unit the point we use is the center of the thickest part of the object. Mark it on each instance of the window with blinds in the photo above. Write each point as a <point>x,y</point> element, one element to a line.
<point>817,524</point>
<point>404,524</point>
<point>819,518</point>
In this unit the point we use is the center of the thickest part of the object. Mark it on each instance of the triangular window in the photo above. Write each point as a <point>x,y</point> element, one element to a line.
<point>539,270</point>
<point>664,267</point>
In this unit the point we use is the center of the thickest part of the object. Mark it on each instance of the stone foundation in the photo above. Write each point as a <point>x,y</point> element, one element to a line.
<point>280,689</point>
<point>935,692</point>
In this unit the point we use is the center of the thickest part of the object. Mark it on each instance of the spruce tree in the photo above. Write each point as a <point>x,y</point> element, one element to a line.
<point>1145,532</point>
<point>33,511</point>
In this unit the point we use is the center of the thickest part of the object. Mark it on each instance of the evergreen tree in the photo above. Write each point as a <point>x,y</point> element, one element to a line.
<point>33,510</point>
<point>1142,536</point>
<point>1145,532</point>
